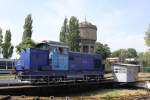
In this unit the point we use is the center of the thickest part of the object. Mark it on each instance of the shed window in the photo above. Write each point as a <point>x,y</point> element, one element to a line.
<point>116,70</point>
<point>119,70</point>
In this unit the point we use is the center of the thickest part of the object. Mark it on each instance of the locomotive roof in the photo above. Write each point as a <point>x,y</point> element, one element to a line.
<point>88,54</point>
<point>53,43</point>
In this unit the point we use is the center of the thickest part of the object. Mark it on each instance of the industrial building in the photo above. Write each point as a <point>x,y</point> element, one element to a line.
<point>88,37</point>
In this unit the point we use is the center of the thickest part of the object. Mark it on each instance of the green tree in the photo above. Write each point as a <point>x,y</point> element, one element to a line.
<point>70,33</point>
<point>123,54</point>
<point>7,48</point>
<point>141,58</point>
<point>27,27</point>
<point>64,31</point>
<point>102,49</point>
<point>73,36</point>
<point>1,41</point>
<point>147,37</point>
<point>26,42</point>
<point>116,53</point>
<point>144,60</point>
<point>126,53</point>
<point>131,53</point>
<point>1,37</point>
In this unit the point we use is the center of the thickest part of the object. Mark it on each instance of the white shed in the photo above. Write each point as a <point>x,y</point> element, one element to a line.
<point>125,72</point>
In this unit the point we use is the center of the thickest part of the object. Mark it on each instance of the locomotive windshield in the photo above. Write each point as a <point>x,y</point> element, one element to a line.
<point>97,63</point>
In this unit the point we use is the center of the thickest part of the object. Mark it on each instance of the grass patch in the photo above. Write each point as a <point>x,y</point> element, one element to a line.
<point>143,76</point>
<point>120,92</point>
<point>7,75</point>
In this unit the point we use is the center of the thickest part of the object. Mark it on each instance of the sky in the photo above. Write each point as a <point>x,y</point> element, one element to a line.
<point>120,23</point>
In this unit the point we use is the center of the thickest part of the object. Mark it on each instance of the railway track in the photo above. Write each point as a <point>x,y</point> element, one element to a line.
<point>58,83</point>
<point>23,97</point>
<point>60,87</point>
<point>55,88</point>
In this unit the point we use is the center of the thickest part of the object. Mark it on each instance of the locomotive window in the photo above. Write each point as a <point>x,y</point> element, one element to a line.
<point>60,50</point>
<point>71,58</point>
<point>97,63</point>
<point>65,51</point>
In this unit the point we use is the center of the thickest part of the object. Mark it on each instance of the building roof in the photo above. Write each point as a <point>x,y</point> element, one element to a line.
<point>113,58</point>
<point>87,24</point>
<point>127,65</point>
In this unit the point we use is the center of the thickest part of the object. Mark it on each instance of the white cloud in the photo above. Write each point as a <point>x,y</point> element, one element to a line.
<point>47,26</point>
<point>6,24</point>
<point>66,7</point>
<point>108,24</point>
<point>126,40</point>
<point>109,32</point>
<point>48,21</point>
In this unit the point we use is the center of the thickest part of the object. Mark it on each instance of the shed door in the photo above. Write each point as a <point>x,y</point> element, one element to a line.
<point>131,74</point>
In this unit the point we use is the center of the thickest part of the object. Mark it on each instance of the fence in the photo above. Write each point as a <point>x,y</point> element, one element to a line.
<point>7,65</point>
<point>145,68</point>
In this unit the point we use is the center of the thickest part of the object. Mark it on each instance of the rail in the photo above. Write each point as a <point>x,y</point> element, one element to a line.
<point>52,80</point>
<point>23,97</point>
<point>15,82</point>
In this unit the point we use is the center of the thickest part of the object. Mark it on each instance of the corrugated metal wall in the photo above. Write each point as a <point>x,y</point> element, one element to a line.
<point>59,61</point>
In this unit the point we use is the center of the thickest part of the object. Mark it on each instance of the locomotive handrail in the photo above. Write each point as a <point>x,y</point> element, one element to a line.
<point>56,81</point>
<point>37,81</point>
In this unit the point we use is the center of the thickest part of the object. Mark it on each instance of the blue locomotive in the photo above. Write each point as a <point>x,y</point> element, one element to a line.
<point>52,61</point>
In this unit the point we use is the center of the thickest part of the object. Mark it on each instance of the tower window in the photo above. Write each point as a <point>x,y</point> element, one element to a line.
<point>85,49</point>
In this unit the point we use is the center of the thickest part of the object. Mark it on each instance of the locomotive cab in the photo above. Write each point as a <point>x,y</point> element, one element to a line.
<point>58,54</point>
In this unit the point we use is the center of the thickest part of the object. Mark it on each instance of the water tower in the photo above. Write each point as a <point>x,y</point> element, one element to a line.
<point>88,37</point>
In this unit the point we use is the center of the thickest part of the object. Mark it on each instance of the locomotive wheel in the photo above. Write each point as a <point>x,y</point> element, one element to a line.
<point>86,78</point>
<point>53,80</point>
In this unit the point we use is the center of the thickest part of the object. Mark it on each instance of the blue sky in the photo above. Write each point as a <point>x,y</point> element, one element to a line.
<point>120,23</point>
